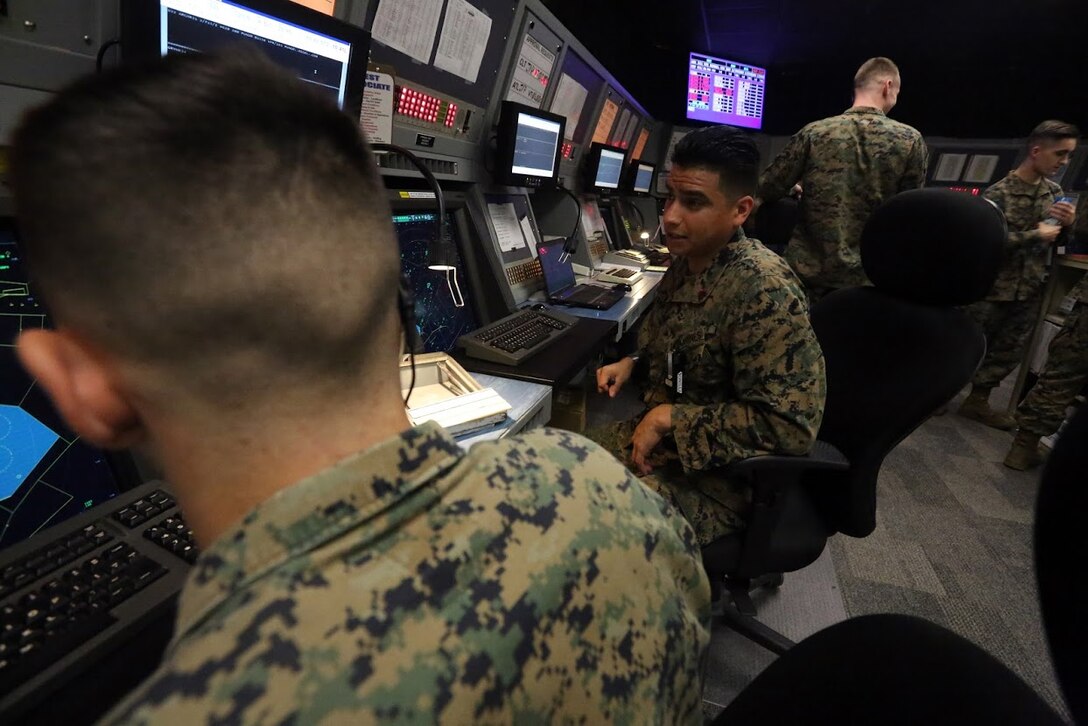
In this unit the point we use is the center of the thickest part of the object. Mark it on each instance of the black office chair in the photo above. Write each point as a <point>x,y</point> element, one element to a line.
<point>773,224</point>
<point>899,669</point>
<point>894,352</point>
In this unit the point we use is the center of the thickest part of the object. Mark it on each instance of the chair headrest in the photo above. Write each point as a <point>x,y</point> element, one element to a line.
<point>934,246</point>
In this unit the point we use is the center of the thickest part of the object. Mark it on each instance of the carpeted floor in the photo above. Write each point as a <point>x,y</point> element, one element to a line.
<point>953,544</point>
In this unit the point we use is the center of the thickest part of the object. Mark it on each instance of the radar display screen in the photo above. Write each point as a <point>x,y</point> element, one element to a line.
<point>439,321</point>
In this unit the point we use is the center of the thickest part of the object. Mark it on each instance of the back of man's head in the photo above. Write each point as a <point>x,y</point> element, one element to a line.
<point>1051,131</point>
<point>874,72</point>
<point>724,149</point>
<point>210,217</point>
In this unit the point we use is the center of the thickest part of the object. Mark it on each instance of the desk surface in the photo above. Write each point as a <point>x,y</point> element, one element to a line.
<point>557,364</point>
<point>526,400</point>
<point>632,302</point>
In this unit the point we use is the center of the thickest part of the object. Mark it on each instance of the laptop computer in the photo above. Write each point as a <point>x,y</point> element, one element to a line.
<point>560,285</point>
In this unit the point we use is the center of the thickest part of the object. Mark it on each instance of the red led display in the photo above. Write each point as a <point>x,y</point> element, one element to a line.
<point>425,107</point>
<point>418,105</point>
<point>568,150</point>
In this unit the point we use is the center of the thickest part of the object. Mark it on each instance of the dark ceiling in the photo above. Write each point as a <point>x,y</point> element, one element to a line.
<point>971,68</point>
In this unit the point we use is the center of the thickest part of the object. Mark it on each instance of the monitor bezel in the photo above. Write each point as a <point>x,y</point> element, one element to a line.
<point>593,161</point>
<point>141,34</point>
<point>633,177</point>
<point>506,139</point>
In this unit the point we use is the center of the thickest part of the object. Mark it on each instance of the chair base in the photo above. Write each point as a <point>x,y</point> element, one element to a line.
<point>738,611</point>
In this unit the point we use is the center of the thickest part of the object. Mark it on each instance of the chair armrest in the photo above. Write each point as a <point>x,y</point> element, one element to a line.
<point>822,457</point>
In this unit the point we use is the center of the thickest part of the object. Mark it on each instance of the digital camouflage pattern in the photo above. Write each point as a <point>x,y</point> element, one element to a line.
<point>753,379</point>
<point>848,165</point>
<point>1023,270</point>
<point>1008,326</point>
<point>530,580</point>
<point>1063,376</point>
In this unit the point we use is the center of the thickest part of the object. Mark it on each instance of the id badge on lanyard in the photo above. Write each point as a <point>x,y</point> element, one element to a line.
<point>675,362</point>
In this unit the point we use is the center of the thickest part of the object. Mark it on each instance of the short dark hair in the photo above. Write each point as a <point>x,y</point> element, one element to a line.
<point>1052,130</point>
<point>213,216</point>
<point>875,69</point>
<point>724,149</point>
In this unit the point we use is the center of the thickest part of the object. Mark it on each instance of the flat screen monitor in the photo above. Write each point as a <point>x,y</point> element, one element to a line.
<point>439,321</point>
<point>605,166</point>
<point>643,178</point>
<point>529,143</point>
<point>47,474</point>
<point>322,51</point>
<point>722,91</point>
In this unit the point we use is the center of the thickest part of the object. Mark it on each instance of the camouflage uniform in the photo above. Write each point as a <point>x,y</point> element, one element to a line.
<point>847,165</point>
<point>530,580</point>
<point>1009,312</point>
<point>753,380</point>
<point>1065,372</point>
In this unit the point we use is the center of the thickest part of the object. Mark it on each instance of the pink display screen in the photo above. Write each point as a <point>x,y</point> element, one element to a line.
<point>725,92</point>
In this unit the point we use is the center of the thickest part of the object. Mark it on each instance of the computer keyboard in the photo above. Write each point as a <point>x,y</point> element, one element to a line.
<point>518,336</point>
<point>625,275</point>
<point>72,593</point>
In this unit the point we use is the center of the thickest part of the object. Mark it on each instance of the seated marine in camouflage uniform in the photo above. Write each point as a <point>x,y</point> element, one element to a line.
<point>1009,312</point>
<point>213,239</point>
<point>728,364</point>
<point>847,165</point>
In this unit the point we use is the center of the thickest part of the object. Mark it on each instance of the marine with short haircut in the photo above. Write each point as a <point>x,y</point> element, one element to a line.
<point>213,240</point>
<point>728,364</point>
<point>847,166</point>
<point>1009,312</point>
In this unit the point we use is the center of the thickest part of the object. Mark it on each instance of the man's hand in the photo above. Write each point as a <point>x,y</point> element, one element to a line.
<point>648,435</point>
<point>1064,212</point>
<point>610,378</point>
<point>1049,232</point>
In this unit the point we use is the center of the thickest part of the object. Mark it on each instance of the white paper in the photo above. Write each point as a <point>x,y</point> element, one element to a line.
<point>673,141</point>
<point>504,218</point>
<point>376,116</point>
<point>409,26</point>
<point>532,73</point>
<point>949,167</point>
<point>980,169</point>
<point>528,233</point>
<point>464,40</point>
<point>592,221</point>
<point>569,100</point>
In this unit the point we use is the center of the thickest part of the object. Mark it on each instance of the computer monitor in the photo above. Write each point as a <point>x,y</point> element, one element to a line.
<point>46,473</point>
<point>322,51</point>
<point>604,166</point>
<point>529,144</point>
<point>722,91</point>
<point>642,177</point>
<point>439,321</point>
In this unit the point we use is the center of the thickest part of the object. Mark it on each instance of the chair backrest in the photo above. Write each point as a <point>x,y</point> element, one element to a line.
<point>897,351</point>
<point>1061,550</point>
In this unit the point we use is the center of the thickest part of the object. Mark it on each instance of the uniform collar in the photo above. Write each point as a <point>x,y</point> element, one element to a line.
<point>696,288</point>
<point>1031,189</point>
<point>355,492</point>
<point>866,110</point>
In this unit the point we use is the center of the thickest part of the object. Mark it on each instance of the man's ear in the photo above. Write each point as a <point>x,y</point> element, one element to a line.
<point>82,386</point>
<point>745,206</point>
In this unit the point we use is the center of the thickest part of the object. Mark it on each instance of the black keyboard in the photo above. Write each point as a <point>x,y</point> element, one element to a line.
<point>625,272</point>
<point>74,592</point>
<point>518,336</point>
